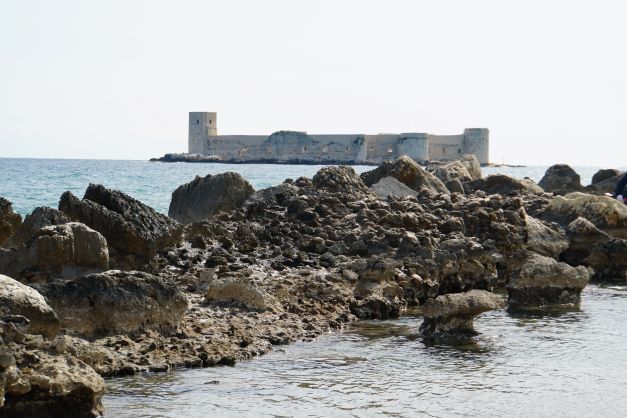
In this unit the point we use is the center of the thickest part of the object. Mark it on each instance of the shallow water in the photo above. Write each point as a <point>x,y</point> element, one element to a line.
<point>549,363</point>
<point>30,182</point>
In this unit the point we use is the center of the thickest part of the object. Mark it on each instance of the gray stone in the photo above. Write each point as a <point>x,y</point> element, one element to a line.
<point>40,217</point>
<point>561,179</point>
<point>389,186</point>
<point>408,172</point>
<point>339,179</point>
<point>505,185</point>
<point>203,197</point>
<point>242,292</point>
<point>9,221</point>
<point>454,313</point>
<point>544,238</point>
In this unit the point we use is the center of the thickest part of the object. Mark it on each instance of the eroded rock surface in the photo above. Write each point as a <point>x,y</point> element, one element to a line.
<point>39,218</point>
<point>389,186</point>
<point>454,313</point>
<point>205,196</point>
<point>9,221</point>
<point>408,172</point>
<point>561,179</point>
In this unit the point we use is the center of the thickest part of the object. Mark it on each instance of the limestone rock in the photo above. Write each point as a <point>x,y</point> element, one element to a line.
<point>505,185</point>
<point>561,179</point>
<point>604,181</point>
<point>408,172</point>
<point>243,292</point>
<point>609,260</point>
<point>541,281</point>
<point>40,217</point>
<point>129,226</point>
<point>278,193</point>
<point>116,302</point>
<point>605,213</point>
<point>455,170</point>
<point>9,221</point>
<point>49,385</point>
<point>545,239</point>
<point>19,299</point>
<point>205,196</point>
<point>472,165</point>
<point>377,295</point>
<point>583,236</point>
<point>389,186</point>
<point>454,313</point>
<point>339,179</point>
<point>605,174</point>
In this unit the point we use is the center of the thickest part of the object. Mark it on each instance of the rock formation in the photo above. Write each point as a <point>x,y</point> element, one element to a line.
<point>39,218</point>
<point>205,196</point>
<point>561,179</point>
<point>454,313</point>
<point>9,221</point>
<point>408,172</point>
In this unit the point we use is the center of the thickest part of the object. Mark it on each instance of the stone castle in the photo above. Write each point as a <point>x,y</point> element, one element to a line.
<point>300,147</point>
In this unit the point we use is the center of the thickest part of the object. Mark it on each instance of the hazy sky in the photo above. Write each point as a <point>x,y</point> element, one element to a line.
<point>115,79</point>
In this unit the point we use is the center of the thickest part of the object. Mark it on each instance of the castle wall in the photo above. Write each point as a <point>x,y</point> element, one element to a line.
<point>286,146</point>
<point>446,147</point>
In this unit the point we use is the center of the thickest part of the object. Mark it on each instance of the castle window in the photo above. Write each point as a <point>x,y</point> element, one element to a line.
<point>305,148</point>
<point>459,150</point>
<point>209,121</point>
<point>443,150</point>
<point>346,149</point>
<point>197,121</point>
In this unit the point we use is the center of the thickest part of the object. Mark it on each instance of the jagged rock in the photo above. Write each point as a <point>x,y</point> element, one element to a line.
<point>66,250</point>
<point>40,217</point>
<point>455,186</point>
<point>454,313</point>
<point>583,236</point>
<point>605,174</point>
<point>19,299</point>
<point>609,260</point>
<point>545,239</point>
<point>377,295</point>
<point>129,226</point>
<point>472,165</point>
<point>539,281</point>
<point>561,179</point>
<point>389,186</point>
<point>50,385</point>
<point>607,214</point>
<point>278,193</point>
<point>9,221</point>
<point>242,292</point>
<point>339,179</point>
<point>203,197</point>
<point>504,185</point>
<point>455,170</point>
<point>116,302</point>
<point>408,172</point>
<point>604,181</point>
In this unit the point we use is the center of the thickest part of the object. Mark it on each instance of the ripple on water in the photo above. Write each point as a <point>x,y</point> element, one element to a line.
<point>552,363</point>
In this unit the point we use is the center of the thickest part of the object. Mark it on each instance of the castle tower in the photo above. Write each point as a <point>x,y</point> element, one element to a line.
<point>201,126</point>
<point>477,142</point>
<point>414,145</point>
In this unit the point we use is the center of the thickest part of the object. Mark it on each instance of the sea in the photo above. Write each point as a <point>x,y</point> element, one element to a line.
<point>546,363</point>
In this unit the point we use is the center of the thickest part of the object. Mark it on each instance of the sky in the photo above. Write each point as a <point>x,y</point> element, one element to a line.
<point>116,79</point>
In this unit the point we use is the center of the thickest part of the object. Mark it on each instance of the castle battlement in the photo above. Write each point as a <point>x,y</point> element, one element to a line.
<point>296,146</point>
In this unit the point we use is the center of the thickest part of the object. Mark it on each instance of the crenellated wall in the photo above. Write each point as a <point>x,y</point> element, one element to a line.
<point>285,146</point>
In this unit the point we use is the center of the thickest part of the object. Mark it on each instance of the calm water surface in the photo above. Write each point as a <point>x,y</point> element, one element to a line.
<point>548,364</point>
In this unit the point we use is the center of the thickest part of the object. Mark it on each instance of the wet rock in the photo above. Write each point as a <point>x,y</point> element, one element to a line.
<point>339,179</point>
<point>241,292</point>
<point>203,197</point>
<point>19,299</point>
<point>129,226</point>
<point>540,281</point>
<point>39,218</point>
<point>605,174</point>
<point>604,181</point>
<point>377,295</point>
<point>116,302</point>
<point>582,236</point>
<point>9,221</point>
<point>609,260</point>
<point>408,172</point>
<point>561,179</point>
<point>607,214</point>
<point>504,185</point>
<point>48,385</point>
<point>454,313</point>
<point>389,186</point>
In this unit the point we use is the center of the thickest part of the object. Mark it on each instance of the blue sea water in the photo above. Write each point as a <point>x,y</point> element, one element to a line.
<point>31,182</point>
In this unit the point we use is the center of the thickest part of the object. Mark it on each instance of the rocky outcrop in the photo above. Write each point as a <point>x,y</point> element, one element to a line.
<point>19,299</point>
<point>39,218</point>
<point>389,186</point>
<point>540,281</point>
<point>544,238</point>
<point>205,196</point>
<point>377,295</point>
<point>242,292</point>
<point>561,179</point>
<point>339,179</point>
<point>9,221</point>
<point>454,313</point>
<point>604,181</point>
<point>455,170</point>
<point>116,302</point>
<point>504,185</point>
<point>66,250</point>
<point>130,227</point>
<point>408,172</point>
<point>472,165</point>
<point>607,214</point>
<point>609,260</point>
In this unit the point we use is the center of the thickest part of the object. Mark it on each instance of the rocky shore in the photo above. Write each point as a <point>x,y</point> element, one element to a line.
<point>106,286</point>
